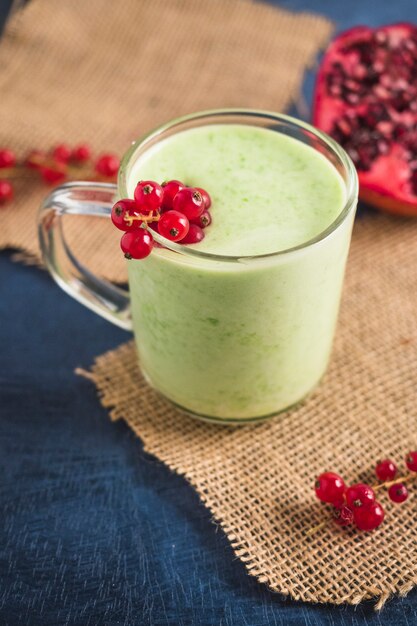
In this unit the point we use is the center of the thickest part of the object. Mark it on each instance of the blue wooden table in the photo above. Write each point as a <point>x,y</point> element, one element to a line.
<point>92,530</point>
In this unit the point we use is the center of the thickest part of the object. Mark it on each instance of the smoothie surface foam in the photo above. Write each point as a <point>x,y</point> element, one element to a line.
<point>269,192</point>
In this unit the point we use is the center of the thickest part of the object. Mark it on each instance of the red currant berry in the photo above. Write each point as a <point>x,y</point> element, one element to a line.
<point>171,188</point>
<point>360,496</point>
<point>33,159</point>
<point>173,225</point>
<point>206,197</point>
<point>204,220</point>
<point>107,165</point>
<point>148,196</point>
<point>137,245</point>
<point>124,209</point>
<point>81,153</point>
<point>61,153</point>
<point>343,516</point>
<point>369,518</point>
<point>411,461</point>
<point>7,158</point>
<point>398,492</point>
<point>190,202</point>
<point>386,470</point>
<point>6,191</point>
<point>194,235</point>
<point>51,176</point>
<point>330,487</point>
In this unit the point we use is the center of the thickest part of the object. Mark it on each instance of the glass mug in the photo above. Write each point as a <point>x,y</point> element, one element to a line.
<point>226,339</point>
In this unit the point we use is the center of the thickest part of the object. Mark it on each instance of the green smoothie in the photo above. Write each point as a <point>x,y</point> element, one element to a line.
<point>241,340</point>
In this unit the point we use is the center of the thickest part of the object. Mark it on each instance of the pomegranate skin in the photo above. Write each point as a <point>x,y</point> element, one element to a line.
<point>366,70</point>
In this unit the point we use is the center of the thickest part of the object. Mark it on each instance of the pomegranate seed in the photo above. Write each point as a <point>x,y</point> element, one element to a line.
<point>359,72</point>
<point>369,518</point>
<point>124,209</point>
<point>190,202</point>
<point>360,496</point>
<point>411,461</point>
<point>137,245</point>
<point>352,98</point>
<point>6,191</point>
<point>51,176</point>
<point>335,90</point>
<point>206,198</point>
<point>148,196</point>
<point>194,235</point>
<point>81,153</point>
<point>107,165</point>
<point>386,470</point>
<point>61,153</point>
<point>7,158</point>
<point>171,188</point>
<point>398,493</point>
<point>330,487</point>
<point>173,225</point>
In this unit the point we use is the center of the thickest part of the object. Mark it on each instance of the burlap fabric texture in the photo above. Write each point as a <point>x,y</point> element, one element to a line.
<point>258,480</point>
<point>107,72</point>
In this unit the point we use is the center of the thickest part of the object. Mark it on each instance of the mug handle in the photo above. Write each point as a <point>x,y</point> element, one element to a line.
<point>101,296</point>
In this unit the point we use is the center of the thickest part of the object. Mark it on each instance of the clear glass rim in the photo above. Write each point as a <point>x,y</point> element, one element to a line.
<point>352,185</point>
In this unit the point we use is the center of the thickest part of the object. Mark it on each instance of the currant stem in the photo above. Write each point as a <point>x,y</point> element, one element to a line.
<point>148,218</point>
<point>400,479</point>
<point>21,170</point>
<point>315,529</point>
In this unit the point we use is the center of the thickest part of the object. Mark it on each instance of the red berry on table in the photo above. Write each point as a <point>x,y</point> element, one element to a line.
<point>7,158</point>
<point>62,153</point>
<point>137,245</point>
<point>194,235</point>
<point>81,153</point>
<point>204,220</point>
<point>173,225</point>
<point>360,496</point>
<point>398,493</point>
<point>171,188</point>
<point>206,197</point>
<point>107,165</point>
<point>369,518</point>
<point>51,176</point>
<point>6,191</point>
<point>343,515</point>
<point>330,487</point>
<point>148,196</point>
<point>190,202</point>
<point>411,461</point>
<point>386,470</point>
<point>121,211</point>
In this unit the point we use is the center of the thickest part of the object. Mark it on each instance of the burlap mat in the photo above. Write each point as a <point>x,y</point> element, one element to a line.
<point>258,480</point>
<point>107,72</point>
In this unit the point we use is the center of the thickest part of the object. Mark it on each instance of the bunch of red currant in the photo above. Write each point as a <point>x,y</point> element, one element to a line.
<point>175,211</point>
<point>54,167</point>
<point>358,503</point>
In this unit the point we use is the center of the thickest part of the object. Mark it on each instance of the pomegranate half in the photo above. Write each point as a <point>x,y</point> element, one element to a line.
<point>366,99</point>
